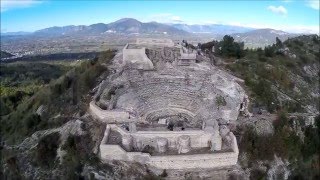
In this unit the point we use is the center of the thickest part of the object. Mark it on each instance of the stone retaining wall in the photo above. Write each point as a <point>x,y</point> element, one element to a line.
<point>199,138</point>
<point>163,42</point>
<point>137,58</point>
<point>109,116</point>
<point>209,160</point>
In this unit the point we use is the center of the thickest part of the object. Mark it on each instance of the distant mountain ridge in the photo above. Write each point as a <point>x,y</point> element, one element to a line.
<point>133,26</point>
<point>19,33</point>
<point>126,25</point>
<point>261,37</point>
<point>130,25</point>
<point>212,28</point>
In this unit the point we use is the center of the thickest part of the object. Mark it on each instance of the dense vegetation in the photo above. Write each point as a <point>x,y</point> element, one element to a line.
<point>19,81</point>
<point>279,78</point>
<point>46,150</point>
<point>302,153</point>
<point>278,69</point>
<point>59,100</point>
<point>227,47</point>
<point>270,73</point>
<point>77,151</point>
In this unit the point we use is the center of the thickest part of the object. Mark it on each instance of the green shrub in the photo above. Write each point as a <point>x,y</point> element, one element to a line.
<point>164,173</point>
<point>265,94</point>
<point>284,142</point>
<point>269,51</point>
<point>46,150</point>
<point>248,81</point>
<point>227,47</point>
<point>220,101</point>
<point>32,121</point>
<point>311,142</point>
<point>257,174</point>
<point>263,59</point>
<point>298,42</point>
<point>256,147</point>
<point>304,59</point>
<point>4,107</point>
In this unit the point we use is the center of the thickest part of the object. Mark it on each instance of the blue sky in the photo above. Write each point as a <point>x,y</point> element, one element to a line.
<point>288,15</point>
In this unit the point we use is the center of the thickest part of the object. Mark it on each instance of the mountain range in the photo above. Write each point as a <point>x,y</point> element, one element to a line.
<point>133,26</point>
<point>125,26</point>
<point>252,37</point>
<point>261,37</point>
<point>212,28</point>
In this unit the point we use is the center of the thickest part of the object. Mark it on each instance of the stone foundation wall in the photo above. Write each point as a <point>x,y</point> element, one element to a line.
<point>137,58</point>
<point>194,161</point>
<point>163,42</point>
<point>109,116</point>
<point>198,138</point>
<point>210,160</point>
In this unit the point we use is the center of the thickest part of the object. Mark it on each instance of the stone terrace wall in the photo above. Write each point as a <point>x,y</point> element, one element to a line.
<point>212,160</point>
<point>155,42</point>
<point>187,55</point>
<point>194,161</point>
<point>109,116</point>
<point>137,58</point>
<point>198,138</point>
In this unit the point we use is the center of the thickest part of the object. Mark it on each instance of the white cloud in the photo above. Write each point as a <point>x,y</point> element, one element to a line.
<point>314,4</point>
<point>13,4</point>
<point>166,18</point>
<point>278,10</point>
<point>176,18</point>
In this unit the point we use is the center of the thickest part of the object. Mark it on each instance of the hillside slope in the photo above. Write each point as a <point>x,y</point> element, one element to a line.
<point>282,81</point>
<point>49,136</point>
<point>290,70</point>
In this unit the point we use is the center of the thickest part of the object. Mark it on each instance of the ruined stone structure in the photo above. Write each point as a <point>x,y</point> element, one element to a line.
<point>149,42</point>
<point>136,57</point>
<point>187,56</point>
<point>166,115</point>
<point>179,143</point>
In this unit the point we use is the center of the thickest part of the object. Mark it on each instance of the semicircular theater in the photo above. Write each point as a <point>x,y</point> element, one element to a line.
<point>168,100</point>
<point>196,93</point>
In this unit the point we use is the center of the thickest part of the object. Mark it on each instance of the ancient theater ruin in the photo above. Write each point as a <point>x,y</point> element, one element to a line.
<point>168,107</point>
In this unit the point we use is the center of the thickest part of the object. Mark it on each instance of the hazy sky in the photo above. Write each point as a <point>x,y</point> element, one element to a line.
<point>288,15</point>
